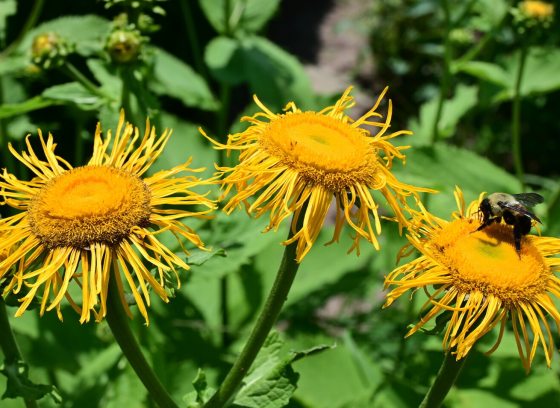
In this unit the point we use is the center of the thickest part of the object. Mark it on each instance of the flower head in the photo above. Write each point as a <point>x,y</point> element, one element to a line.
<point>539,10</point>
<point>481,281</point>
<point>531,14</point>
<point>87,225</point>
<point>296,163</point>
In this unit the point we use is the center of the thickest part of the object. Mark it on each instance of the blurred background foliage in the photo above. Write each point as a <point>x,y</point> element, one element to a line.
<point>455,70</point>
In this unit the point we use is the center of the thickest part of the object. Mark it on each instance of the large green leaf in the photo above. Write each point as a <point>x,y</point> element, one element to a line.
<point>224,57</point>
<point>443,166</point>
<point>540,74</point>
<point>273,75</point>
<point>486,71</point>
<point>453,110</point>
<point>244,15</point>
<point>334,378</point>
<point>174,78</point>
<point>271,381</point>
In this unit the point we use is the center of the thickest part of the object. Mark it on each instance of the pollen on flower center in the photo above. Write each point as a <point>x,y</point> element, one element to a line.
<point>323,149</point>
<point>488,262</point>
<point>87,205</point>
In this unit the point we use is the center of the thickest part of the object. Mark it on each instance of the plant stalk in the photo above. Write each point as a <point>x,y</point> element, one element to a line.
<point>446,377</point>
<point>516,119</point>
<point>272,307</point>
<point>9,345</point>
<point>446,77</point>
<point>118,322</point>
<point>77,76</point>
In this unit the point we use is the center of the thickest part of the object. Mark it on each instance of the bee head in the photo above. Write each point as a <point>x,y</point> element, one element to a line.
<point>485,208</point>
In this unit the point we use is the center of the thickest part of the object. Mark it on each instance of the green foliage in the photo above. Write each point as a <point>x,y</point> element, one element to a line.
<point>199,64</point>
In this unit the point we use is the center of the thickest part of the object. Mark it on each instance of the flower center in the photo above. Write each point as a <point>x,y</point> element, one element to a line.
<point>322,149</point>
<point>487,261</point>
<point>89,204</point>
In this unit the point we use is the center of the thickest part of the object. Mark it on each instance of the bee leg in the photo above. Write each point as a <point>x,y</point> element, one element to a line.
<point>521,227</point>
<point>489,221</point>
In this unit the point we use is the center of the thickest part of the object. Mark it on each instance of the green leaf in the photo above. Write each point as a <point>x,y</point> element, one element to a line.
<point>245,16</point>
<point>486,71</point>
<point>273,75</point>
<point>19,385</point>
<point>7,8</point>
<point>174,78</point>
<point>214,10</point>
<point>539,76</point>
<point>201,394</point>
<point>224,57</point>
<point>335,378</point>
<point>185,142</point>
<point>199,257</point>
<point>73,92</point>
<point>491,13</point>
<point>87,33</point>
<point>110,82</point>
<point>453,110</point>
<point>271,381</point>
<point>541,71</point>
<point>443,166</point>
<point>35,103</point>
<point>254,13</point>
<point>125,391</point>
<point>13,64</point>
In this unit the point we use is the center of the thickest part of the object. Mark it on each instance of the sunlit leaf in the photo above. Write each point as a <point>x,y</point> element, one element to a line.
<point>174,78</point>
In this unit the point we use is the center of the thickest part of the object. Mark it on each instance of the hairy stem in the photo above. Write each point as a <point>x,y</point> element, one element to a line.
<point>272,307</point>
<point>446,377</point>
<point>119,324</point>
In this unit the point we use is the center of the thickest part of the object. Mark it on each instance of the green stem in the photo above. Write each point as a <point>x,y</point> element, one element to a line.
<point>516,119</point>
<point>224,311</point>
<point>8,161</point>
<point>481,44</point>
<point>9,346</point>
<point>118,322</point>
<point>192,35</point>
<point>445,79</point>
<point>31,20</point>
<point>227,17</point>
<point>272,307</point>
<point>77,76</point>
<point>446,377</point>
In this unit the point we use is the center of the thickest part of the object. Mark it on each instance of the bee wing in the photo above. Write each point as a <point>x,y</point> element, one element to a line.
<point>518,208</point>
<point>529,199</point>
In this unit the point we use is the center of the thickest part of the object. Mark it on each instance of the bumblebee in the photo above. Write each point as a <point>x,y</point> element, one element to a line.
<point>513,208</point>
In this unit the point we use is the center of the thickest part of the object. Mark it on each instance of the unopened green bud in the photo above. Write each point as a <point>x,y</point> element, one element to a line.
<point>124,46</point>
<point>48,50</point>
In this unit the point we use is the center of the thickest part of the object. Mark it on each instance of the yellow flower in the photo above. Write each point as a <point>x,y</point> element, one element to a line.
<point>481,281</point>
<point>539,10</point>
<point>297,162</point>
<point>98,222</point>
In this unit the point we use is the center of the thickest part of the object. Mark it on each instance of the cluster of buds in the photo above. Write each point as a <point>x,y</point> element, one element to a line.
<point>49,50</point>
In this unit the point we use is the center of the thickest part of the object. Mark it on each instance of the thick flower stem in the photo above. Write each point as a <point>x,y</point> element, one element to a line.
<point>118,322</point>
<point>9,345</point>
<point>446,377</point>
<point>276,298</point>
